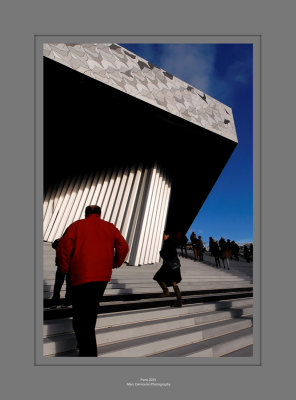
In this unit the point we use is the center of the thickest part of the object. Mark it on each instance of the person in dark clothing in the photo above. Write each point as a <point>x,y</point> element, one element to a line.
<point>251,251</point>
<point>182,241</point>
<point>201,249</point>
<point>211,241</point>
<point>195,246</point>
<point>58,283</point>
<point>166,276</point>
<point>235,250</point>
<point>225,252</point>
<point>216,253</point>
<point>246,253</point>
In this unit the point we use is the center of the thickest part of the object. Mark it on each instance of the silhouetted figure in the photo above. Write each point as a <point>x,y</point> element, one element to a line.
<point>58,283</point>
<point>167,275</point>
<point>235,250</point>
<point>195,246</point>
<point>87,251</point>
<point>251,251</point>
<point>182,241</point>
<point>201,249</point>
<point>225,249</point>
<point>246,253</point>
<point>216,253</point>
<point>211,241</point>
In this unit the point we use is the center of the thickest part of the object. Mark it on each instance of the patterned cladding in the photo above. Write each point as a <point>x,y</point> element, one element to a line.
<point>125,71</point>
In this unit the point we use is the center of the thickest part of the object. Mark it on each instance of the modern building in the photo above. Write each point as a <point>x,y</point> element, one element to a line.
<point>126,135</point>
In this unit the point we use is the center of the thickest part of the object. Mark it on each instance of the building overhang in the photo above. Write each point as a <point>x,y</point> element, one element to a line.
<point>90,124</point>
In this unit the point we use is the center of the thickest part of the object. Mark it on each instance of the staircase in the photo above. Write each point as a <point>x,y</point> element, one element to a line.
<point>134,321</point>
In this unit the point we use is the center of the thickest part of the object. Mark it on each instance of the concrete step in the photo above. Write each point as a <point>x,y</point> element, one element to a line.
<point>154,344</point>
<point>49,283</point>
<point>158,344</point>
<point>155,289</point>
<point>117,334</point>
<point>219,346</point>
<point>120,332</point>
<point>242,352</point>
<point>136,304</point>
<point>154,295</point>
<point>123,318</point>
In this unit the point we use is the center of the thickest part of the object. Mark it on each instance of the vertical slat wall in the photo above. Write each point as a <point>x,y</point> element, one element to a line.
<point>134,198</point>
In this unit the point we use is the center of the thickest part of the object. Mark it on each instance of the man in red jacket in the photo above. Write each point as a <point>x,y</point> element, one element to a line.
<point>86,252</point>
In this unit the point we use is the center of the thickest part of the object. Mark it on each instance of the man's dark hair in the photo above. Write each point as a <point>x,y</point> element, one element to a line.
<point>92,210</point>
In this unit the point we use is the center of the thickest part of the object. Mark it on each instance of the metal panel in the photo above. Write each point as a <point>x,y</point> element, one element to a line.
<point>51,206</point>
<point>118,202</point>
<point>70,208</point>
<point>134,198</point>
<point>57,209</point>
<point>145,219</point>
<point>125,198</point>
<point>113,195</point>
<point>61,212</point>
<point>151,236</point>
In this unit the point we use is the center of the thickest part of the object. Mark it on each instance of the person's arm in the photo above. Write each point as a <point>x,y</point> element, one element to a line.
<point>121,249</point>
<point>65,249</point>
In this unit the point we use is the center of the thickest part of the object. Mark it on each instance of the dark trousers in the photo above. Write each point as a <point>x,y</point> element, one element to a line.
<point>58,283</point>
<point>85,305</point>
<point>185,251</point>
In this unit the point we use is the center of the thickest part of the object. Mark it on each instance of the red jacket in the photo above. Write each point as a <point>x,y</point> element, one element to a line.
<point>86,250</point>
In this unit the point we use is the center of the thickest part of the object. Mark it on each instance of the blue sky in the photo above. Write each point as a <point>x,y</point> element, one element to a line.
<point>225,72</point>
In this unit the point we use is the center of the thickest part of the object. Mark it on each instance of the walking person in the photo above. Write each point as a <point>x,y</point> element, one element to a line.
<point>86,250</point>
<point>226,252</point>
<point>211,241</point>
<point>201,249</point>
<point>216,253</point>
<point>251,251</point>
<point>183,244</point>
<point>247,253</point>
<point>58,283</point>
<point>195,246</point>
<point>169,273</point>
<point>235,250</point>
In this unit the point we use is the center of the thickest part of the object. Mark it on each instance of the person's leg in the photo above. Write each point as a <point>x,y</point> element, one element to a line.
<point>195,254</point>
<point>85,301</point>
<point>165,289</point>
<point>58,283</point>
<point>68,291</point>
<point>179,302</point>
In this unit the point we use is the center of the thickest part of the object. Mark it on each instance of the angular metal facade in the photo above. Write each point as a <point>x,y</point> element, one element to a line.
<point>138,188</point>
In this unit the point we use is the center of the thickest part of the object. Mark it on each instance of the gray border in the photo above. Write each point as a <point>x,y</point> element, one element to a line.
<point>141,361</point>
<point>274,379</point>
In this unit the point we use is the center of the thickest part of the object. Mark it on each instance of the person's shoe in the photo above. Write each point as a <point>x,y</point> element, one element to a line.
<point>54,303</point>
<point>165,294</point>
<point>165,289</point>
<point>177,303</point>
<point>66,304</point>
